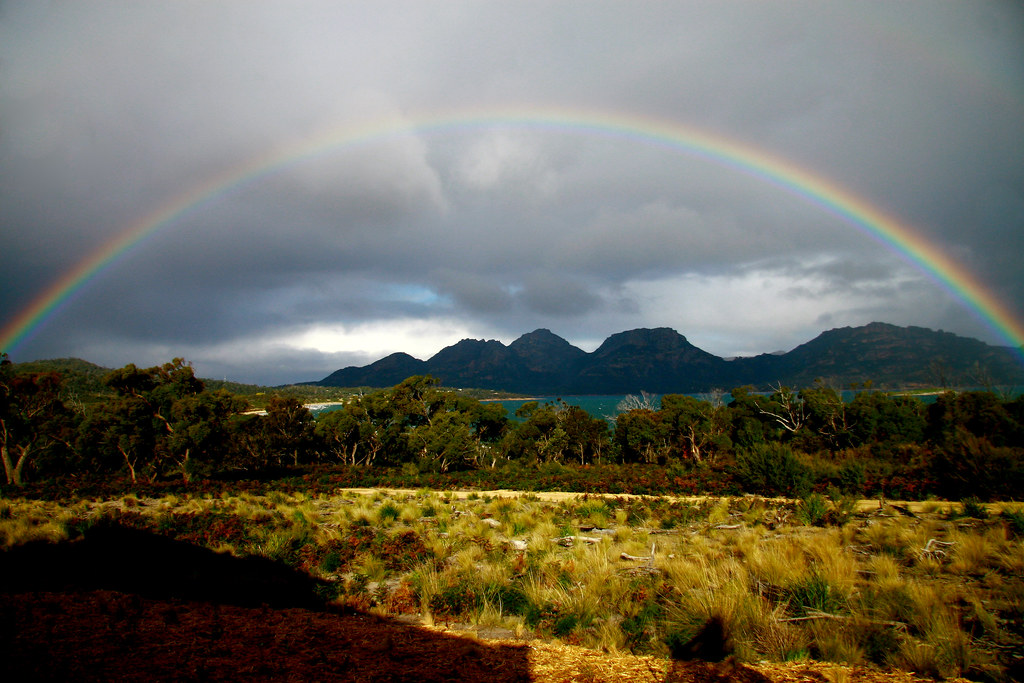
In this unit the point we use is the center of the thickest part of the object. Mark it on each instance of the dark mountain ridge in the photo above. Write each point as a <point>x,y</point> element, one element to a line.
<point>663,361</point>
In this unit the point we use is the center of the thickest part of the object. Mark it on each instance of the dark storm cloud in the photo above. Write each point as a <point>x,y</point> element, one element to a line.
<point>555,295</point>
<point>407,241</point>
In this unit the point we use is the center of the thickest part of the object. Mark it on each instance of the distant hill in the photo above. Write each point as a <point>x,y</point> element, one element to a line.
<point>662,361</point>
<point>83,381</point>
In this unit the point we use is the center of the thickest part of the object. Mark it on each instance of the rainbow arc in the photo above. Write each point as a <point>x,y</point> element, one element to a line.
<point>810,186</point>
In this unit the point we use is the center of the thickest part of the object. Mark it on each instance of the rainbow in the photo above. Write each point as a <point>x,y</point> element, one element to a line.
<point>743,158</point>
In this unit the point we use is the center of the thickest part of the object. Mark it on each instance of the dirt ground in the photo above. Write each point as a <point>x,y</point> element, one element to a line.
<point>107,635</point>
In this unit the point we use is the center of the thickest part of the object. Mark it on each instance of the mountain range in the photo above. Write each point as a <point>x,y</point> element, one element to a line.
<point>661,360</point>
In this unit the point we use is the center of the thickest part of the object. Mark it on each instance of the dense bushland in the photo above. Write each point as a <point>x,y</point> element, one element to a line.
<point>162,427</point>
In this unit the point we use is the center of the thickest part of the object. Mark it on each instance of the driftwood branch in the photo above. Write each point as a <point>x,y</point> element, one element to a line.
<point>648,566</point>
<point>635,558</point>
<point>567,541</point>
<point>936,549</point>
<point>815,614</point>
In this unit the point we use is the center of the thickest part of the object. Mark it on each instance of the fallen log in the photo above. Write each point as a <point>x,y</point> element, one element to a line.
<point>636,558</point>
<point>567,541</point>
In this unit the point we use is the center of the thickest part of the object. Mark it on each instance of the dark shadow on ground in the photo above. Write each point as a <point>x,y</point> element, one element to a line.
<point>129,605</point>
<point>113,557</point>
<point>718,672</point>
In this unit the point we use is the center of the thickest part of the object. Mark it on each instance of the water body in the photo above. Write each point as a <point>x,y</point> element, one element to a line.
<point>606,406</point>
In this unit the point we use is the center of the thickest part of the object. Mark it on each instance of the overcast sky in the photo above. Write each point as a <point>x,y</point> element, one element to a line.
<point>414,240</point>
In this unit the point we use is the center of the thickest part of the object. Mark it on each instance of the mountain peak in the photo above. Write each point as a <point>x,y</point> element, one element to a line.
<point>661,360</point>
<point>660,338</point>
<point>540,338</point>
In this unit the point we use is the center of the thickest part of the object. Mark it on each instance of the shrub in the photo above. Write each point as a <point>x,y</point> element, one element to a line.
<point>404,550</point>
<point>852,478</point>
<point>564,625</point>
<point>402,600</point>
<point>773,469</point>
<point>511,599</point>
<point>541,616</point>
<point>640,627</point>
<point>331,562</point>
<point>455,598</point>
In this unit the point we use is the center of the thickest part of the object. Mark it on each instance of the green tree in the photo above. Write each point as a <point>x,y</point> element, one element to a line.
<point>699,429</point>
<point>587,437</point>
<point>980,413</point>
<point>447,442</point>
<point>748,426</point>
<point>198,429</point>
<point>540,436</point>
<point>288,430</point>
<point>640,436</point>
<point>340,432</point>
<point>879,418</point>
<point>34,422</point>
<point>785,409</point>
<point>159,417</point>
<point>410,423</point>
<point>828,421</point>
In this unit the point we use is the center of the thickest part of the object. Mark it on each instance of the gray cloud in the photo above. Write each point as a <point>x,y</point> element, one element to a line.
<point>412,239</point>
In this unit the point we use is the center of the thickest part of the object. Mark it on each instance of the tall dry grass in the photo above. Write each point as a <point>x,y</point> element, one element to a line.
<point>860,590</point>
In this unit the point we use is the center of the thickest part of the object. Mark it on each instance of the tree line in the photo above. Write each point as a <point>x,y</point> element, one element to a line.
<point>163,422</point>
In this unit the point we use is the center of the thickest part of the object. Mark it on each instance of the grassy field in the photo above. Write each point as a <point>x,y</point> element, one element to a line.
<point>936,588</point>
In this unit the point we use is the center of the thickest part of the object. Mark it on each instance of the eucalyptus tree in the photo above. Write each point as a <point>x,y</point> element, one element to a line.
<point>160,419</point>
<point>34,423</point>
<point>698,429</point>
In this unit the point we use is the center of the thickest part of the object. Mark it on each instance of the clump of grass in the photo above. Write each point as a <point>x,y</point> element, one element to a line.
<point>973,507</point>
<point>388,513</point>
<point>834,643</point>
<point>887,537</point>
<point>719,513</point>
<point>815,594</point>
<point>879,641</point>
<point>841,510</point>
<point>373,568</point>
<point>595,513</point>
<point>943,650</point>
<point>28,521</point>
<point>778,563</point>
<point>1014,519</point>
<point>813,510</point>
<point>781,641</point>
